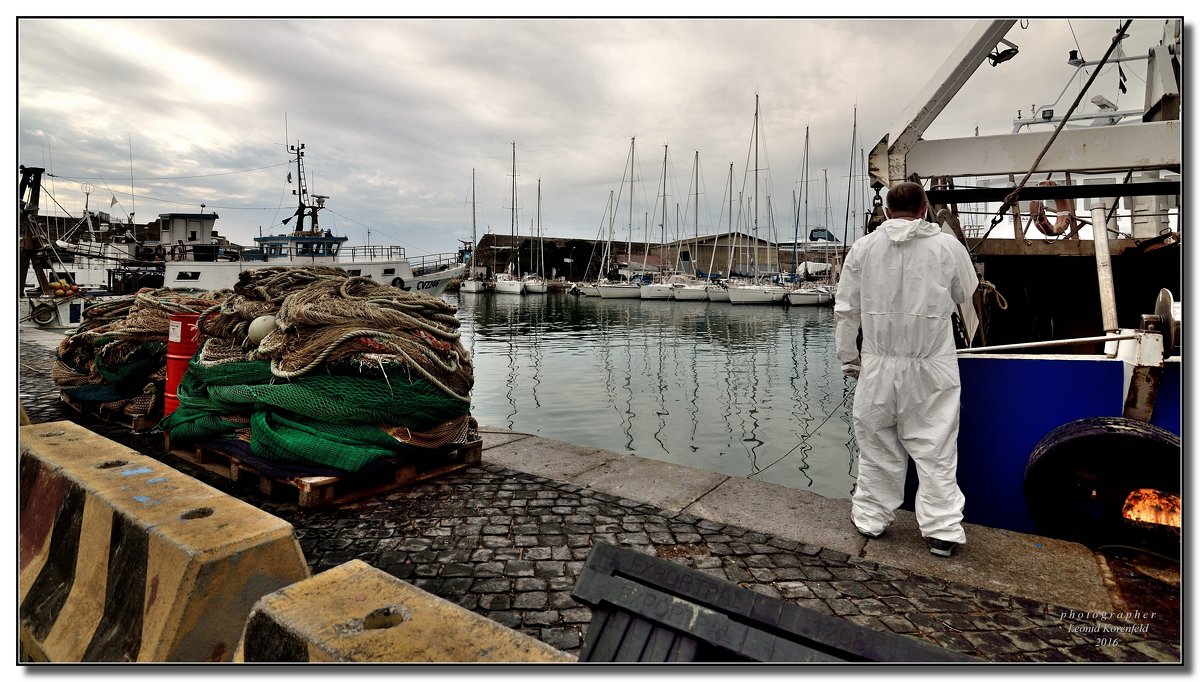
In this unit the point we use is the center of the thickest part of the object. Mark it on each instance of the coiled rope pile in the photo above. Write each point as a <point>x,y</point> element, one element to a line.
<point>116,359</point>
<point>349,372</point>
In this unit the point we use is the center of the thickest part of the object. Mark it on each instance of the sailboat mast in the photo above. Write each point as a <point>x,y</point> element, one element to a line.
<point>629,233</point>
<point>474,237</point>
<point>850,184</point>
<point>515,245</point>
<point>754,259</point>
<point>663,226</point>
<point>696,217</point>
<point>541,255</point>
<point>732,235</point>
<point>807,233</point>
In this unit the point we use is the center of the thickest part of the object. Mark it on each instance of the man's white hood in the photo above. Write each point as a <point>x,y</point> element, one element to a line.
<point>903,229</point>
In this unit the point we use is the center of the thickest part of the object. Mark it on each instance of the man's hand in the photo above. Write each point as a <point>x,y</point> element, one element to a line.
<point>851,369</point>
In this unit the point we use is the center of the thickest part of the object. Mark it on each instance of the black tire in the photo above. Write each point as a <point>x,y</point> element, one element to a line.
<point>398,282</point>
<point>1079,474</point>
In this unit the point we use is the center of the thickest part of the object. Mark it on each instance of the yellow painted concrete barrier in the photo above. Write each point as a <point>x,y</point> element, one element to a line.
<point>355,613</point>
<point>122,558</point>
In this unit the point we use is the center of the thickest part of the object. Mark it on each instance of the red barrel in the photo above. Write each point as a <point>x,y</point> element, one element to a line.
<point>182,341</point>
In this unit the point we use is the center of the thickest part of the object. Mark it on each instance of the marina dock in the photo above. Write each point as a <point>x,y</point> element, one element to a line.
<point>507,539</point>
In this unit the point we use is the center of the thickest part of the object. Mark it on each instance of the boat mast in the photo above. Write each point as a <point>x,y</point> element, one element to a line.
<point>541,270</point>
<point>807,234</point>
<point>732,234</point>
<point>516,261</point>
<point>604,261</point>
<point>629,233</point>
<point>302,192</point>
<point>663,226</point>
<point>850,185</point>
<point>754,258</point>
<point>696,217</point>
<point>474,237</point>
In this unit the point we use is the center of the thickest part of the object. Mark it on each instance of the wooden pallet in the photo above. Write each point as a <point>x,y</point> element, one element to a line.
<point>324,491</point>
<point>136,424</point>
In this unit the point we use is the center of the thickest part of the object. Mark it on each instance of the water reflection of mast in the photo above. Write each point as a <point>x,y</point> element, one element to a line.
<point>510,381</point>
<point>536,325</point>
<point>801,401</point>
<point>662,411</point>
<point>627,416</point>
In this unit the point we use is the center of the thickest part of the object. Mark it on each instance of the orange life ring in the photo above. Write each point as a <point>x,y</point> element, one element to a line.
<point>1063,208</point>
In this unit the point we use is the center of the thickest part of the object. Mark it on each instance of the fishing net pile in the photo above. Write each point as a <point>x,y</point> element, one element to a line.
<point>349,374</point>
<point>116,359</point>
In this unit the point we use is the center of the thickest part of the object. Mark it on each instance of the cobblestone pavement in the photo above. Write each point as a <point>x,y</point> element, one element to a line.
<point>510,546</point>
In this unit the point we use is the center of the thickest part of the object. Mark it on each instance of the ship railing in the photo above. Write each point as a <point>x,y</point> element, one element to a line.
<point>373,252</point>
<point>433,262</point>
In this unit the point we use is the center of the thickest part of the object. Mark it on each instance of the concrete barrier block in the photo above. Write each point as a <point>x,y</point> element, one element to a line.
<point>357,613</point>
<point>122,558</point>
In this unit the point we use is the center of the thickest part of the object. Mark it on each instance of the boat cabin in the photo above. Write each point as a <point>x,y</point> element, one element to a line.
<point>307,246</point>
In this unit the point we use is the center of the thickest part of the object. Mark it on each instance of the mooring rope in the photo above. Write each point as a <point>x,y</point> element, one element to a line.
<point>810,433</point>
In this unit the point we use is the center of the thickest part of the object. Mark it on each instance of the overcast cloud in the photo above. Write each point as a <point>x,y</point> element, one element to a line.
<point>396,113</point>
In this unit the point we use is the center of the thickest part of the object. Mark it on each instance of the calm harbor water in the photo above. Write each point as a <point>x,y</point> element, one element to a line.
<point>724,388</point>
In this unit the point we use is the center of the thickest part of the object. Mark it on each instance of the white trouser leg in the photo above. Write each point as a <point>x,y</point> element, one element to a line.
<point>882,465</point>
<point>930,435</point>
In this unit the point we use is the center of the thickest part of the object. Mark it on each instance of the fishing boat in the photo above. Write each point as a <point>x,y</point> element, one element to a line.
<point>195,260</point>
<point>473,284</point>
<point>1072,382</point>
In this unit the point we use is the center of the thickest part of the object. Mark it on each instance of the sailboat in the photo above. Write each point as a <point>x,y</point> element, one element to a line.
<point>588,288</point>
<point>718,292</point>
<point>662,287</point>
<point>472,284</point>
<point>510,282</point>
<point>628,288</point>
<point>806,292</point>
<point>758,290</point>
<point>694,289</point>
<point>535,282</point>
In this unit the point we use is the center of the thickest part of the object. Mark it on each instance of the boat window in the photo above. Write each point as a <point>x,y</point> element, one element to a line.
<point>192,236</point>
<point>303,249</point>
<point>187,276</point>
<point>333,249</point>
<point>354,273</point>
<point>389,271</point>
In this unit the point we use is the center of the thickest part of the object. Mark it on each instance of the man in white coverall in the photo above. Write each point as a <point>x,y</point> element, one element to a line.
<point>899,285</point>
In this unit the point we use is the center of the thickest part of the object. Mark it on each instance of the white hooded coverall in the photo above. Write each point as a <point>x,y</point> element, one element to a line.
<point>900,285</point>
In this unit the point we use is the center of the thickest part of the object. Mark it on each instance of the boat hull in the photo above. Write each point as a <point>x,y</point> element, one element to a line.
<point>1052,390</point>
<point>809,297</point>
<point>718,294</point>
<point>659,292</point>
<point>619,291</point>
<point>691,293</point>
<point>473,286</point>
<point>767,295</point>
<point>510,287</point>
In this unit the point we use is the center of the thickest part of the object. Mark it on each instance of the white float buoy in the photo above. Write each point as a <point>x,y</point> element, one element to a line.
<point>260,327</point>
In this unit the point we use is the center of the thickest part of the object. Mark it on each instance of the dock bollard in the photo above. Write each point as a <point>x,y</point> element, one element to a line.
<point>354,613</point>
<point>122,558</point>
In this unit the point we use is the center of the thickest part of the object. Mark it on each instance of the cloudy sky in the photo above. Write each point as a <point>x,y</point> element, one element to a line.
<point>167,114</point>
